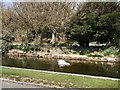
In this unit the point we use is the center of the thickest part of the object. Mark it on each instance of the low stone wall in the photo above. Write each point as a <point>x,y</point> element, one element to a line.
<point>16,52</point>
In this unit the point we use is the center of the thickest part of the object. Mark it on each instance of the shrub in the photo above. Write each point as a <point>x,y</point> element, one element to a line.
<point>95,54</point>
<point>6,46</point>
<point>111,51</point>
<point>106,52</point>
<point>27,47</point>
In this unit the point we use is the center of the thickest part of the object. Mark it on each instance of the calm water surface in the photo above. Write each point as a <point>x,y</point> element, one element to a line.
<point>87,68</point>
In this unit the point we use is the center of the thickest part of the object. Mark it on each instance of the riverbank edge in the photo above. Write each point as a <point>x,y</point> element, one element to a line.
<point>98,83</point>
<point>20,53</point>
<point>51,72</point>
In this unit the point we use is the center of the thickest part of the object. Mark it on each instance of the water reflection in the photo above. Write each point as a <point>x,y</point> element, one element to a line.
<point>83,67</point>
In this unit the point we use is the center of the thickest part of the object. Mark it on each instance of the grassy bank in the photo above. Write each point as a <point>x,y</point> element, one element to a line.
<point>66,81</point>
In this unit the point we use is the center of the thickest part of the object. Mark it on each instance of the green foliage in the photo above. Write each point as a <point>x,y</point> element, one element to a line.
<point>96,22</point>
<point>110,51</point>
<point>75,52</point>
<point>95,54</point>
<point>26,47</point>
<point>6,46</point>
<point>61,43</point>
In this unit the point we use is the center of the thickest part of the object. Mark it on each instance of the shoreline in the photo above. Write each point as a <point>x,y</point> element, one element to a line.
<point>19,53</point>
<point>38,77</point>
<point>63,73</point>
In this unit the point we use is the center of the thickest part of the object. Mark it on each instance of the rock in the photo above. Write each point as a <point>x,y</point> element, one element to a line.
<point>16,52</point>
<point>32,54</point>
<point>12,50</point>
<point>96,58</point>
<point>102,58</point>
<point>110,59</point>
<point>20,51</point>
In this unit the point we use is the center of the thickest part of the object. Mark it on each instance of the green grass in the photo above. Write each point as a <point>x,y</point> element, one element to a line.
<point>66,81</point>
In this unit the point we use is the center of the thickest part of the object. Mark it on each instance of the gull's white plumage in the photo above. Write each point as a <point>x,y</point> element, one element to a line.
<point>63,63</point>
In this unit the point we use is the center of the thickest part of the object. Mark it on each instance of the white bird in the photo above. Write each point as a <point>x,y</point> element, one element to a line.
<point>63,63</point>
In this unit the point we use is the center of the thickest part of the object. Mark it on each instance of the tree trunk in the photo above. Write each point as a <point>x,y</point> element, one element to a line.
<point>53,38</point>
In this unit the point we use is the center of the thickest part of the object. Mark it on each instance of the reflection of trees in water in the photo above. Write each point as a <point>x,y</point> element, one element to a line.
<point>85,67</point>
<point>94,69</point>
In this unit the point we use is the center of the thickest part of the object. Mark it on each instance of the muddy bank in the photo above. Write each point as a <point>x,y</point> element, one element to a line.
<point>15,52</point>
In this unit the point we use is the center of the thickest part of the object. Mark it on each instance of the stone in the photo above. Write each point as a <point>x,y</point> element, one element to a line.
<point>110,59</point>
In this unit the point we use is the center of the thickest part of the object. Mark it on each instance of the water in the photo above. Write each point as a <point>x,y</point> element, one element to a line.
<point>87,68</point>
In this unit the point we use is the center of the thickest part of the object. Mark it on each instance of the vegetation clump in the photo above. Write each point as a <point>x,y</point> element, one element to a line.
<point>60,24</point>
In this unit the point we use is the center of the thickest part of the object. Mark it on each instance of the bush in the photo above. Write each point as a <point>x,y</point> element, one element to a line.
<point>110,51</point>
<point>74,52</point>
<point>6,46</point>
<point>95,54</point>
<point>27,47</point>
<point>106,52</point>
<point>61,43</point>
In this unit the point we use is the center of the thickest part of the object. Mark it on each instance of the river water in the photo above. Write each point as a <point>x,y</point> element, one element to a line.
<point>87,68</point>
